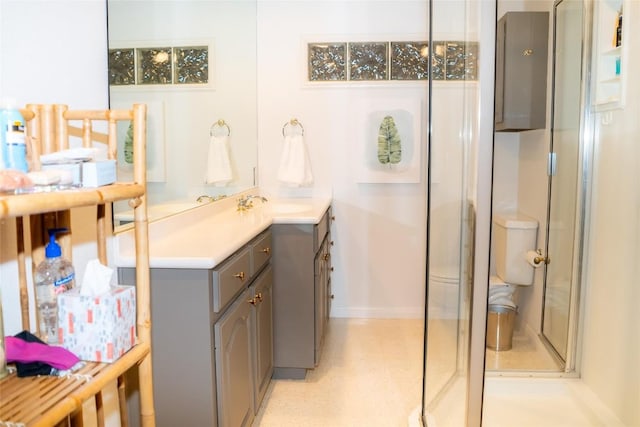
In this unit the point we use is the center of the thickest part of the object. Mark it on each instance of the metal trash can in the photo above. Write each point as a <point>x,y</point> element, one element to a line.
<point>500,322</point>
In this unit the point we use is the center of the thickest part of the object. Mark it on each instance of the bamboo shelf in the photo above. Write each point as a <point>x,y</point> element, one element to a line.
<point>95,394</point>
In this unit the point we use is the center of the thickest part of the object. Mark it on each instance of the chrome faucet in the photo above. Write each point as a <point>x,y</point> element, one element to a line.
<point>245,202</point>
<point>208,199</point>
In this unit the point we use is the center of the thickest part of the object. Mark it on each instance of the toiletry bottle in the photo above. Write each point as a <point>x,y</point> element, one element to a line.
<point>12,137</point>
<point>53,276</point>
<point>619,30</point>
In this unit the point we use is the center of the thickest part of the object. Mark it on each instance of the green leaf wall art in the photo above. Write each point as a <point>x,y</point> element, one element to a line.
<point>389,144</point>
<point>128,145</point>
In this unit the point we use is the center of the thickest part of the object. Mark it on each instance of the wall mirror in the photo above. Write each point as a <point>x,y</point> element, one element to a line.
<point>194,64</point>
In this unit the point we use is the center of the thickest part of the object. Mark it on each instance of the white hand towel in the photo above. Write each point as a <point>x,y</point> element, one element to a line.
<point>295,164</point>
<point>218,162</point>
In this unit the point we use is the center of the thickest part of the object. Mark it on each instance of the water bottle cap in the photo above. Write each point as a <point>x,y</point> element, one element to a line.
<point>53,250</point>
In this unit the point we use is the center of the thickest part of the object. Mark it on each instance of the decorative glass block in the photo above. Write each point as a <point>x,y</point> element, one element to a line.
<point>327,61</point>
<point>154,66</point>
<point>409,60</point>
<point>368,61</point>
<point>122,68</point>
<point>438,61</point>
<point>192,65</point>
<point>461,61</point>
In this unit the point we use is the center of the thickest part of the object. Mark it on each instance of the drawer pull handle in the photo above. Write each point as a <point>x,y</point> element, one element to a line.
<point>252,301</point>
<point>259,297</point>
<point>325,257</point>
<point>239,275</point>
<point>266,250</point>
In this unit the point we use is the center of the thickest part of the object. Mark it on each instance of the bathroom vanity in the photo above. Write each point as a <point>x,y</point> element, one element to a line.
<point>302,296</point>
<point>216,287</point>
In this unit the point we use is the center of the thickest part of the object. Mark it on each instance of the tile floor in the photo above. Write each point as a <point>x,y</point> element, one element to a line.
<point>527,353</point>
<point>370,374</point>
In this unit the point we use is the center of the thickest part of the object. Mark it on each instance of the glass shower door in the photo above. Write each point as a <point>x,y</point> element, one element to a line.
<point>562,275</point>
<point>458,154</point>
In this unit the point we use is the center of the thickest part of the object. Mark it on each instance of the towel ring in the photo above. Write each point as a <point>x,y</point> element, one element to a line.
<point>219,124</point>
<point>293,122</point>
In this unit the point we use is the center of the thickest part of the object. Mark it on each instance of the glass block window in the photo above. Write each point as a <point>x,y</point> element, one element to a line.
<point>192,65</point>
<point>385,61</point>
<point>438,63</point>
<point>368,61</point>
<point>122,67</point>
<point>409,61</point>
<point>461,61</point>
<point>326,61</point>
<point>154,66</point>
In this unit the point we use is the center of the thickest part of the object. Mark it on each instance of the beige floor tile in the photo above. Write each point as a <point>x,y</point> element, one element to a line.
<point>370,374</point>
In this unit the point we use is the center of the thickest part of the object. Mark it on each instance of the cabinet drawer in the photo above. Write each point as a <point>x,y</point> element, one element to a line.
<point>260,251</point>
<point>320,230</point>
<point>230,278</point>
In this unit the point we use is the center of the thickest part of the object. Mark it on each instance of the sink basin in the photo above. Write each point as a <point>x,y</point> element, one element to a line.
<point>290,208</point>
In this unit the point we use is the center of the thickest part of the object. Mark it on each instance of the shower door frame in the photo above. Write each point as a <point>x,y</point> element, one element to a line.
<point>480,170</point>
<point>585,155</point>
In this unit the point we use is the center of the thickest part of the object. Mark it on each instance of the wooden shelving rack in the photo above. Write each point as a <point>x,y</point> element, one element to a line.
<point>95,395</point>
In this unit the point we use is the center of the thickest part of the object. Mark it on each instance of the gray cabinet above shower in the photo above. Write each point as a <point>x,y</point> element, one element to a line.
<point>521,71</point>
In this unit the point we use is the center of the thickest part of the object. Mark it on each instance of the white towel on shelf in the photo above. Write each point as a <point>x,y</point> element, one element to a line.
<point>295,164</point>
<point>218,163</point>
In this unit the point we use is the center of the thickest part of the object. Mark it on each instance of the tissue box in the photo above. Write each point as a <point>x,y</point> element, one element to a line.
<point>98,329</point>
<point>74,169</point>
<point>98,173</point>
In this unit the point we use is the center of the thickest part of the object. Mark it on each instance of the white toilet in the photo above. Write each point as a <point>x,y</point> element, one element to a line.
<point>514,235</point>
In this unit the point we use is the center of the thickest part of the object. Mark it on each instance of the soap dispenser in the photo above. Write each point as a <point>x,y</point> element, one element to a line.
<point>53,275</point>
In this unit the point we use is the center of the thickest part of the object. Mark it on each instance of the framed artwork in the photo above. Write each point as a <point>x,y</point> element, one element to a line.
<point>387,141</point>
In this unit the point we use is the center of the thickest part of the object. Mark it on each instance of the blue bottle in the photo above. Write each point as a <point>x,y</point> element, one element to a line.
<point>12,138</point>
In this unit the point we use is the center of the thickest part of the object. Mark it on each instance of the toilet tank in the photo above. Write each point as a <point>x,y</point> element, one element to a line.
<point>514,235</point>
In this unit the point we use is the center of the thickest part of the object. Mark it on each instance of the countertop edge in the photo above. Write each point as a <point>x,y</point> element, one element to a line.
<point>200,249</point>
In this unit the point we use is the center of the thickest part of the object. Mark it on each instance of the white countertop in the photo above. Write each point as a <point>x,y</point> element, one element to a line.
<point>205,236</point>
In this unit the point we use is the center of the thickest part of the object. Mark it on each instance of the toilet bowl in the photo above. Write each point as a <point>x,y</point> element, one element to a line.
<point>501,293</point>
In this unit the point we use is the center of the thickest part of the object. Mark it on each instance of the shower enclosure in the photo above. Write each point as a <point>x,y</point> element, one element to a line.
<point>461,161</point>
<point>461,118</point>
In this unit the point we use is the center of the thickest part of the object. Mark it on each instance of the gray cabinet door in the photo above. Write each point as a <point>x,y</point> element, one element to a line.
<point>263,333</point>
<point>234,364</point>
<point>320,285</point>
<point>521,71</point>
<point>300,292</point>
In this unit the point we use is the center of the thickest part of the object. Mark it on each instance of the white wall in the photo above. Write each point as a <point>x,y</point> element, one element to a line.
<point>611,340</point>
<point>379,231</point>
<point>52,52</point>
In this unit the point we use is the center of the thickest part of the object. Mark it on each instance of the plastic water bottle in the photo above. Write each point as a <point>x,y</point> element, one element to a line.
<point>12,137</point>
<point>53,276</point>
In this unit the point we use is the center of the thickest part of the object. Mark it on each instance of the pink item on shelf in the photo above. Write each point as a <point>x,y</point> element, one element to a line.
<point>25,352</point>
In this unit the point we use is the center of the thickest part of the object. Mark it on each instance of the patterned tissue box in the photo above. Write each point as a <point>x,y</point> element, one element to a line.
<point>98,329</point>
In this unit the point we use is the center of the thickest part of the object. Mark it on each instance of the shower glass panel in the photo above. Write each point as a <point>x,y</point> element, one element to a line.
<point>453,143</point>
<point>562,245</point>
